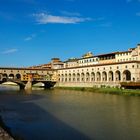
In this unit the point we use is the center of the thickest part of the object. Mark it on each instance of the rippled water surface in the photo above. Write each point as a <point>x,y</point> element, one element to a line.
<point>70,115</point>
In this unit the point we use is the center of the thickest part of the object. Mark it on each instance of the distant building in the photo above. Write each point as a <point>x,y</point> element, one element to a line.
<point>56,63</point>
<point>72,62</point>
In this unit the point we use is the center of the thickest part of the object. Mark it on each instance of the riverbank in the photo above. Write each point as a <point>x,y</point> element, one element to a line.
<point>106,90</point>
<point>5,133</point>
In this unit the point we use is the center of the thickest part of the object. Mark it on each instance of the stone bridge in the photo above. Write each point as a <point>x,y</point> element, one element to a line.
<point>26,78</point>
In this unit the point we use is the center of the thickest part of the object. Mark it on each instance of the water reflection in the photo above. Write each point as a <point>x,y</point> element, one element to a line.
<point>64,114</point>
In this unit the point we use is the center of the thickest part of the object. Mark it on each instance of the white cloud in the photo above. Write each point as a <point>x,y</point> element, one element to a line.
<point>30,37</point>
<point>43,18</point>
<point>9,51</point>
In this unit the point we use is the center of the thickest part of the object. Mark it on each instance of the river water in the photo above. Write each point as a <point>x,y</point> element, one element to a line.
<point>70,115</point>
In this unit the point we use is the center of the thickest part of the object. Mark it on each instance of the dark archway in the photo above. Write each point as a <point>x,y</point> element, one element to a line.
<point>74,77</point>
<point>92,76</point>
<point>127,75</point>
<point>11,76</point>
<point>87,77</point>
<point>98,76</point>
<point>62,78</point>
<point>110,76</point>
<point>78,77</point>
<point>118,75</point>
<point>5,75</point>
<point>66,77</point>
<point>82,77</point>
<point>104,76</point>
<point>18,76</point>
<point>69,77</point>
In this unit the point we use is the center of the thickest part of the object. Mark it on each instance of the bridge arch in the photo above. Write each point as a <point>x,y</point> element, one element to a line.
<point>11,76</point>
<point>5,75</point>
<point>18,76</point>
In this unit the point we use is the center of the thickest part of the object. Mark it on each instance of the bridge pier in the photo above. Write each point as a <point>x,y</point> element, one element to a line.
<point>28,85</point>
<point>21,87</point>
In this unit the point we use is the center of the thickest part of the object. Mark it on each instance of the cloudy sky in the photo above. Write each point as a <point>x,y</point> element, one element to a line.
<point>34,31</point>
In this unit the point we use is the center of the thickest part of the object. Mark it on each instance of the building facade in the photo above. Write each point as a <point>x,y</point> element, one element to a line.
<point>105,69</point>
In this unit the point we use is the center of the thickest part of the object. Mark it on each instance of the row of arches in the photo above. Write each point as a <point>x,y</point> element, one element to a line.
<point>10,76</point>
<point>96,77</point>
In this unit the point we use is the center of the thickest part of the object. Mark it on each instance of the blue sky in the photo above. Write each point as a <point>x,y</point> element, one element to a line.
<point>34,31</point>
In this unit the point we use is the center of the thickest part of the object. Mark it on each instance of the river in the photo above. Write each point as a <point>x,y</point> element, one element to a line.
<point>70,115</point>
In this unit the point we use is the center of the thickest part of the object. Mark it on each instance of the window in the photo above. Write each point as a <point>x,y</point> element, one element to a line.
<point>133,66</point>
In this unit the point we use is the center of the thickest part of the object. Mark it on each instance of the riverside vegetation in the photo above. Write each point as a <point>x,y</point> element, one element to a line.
<point>106,90</point>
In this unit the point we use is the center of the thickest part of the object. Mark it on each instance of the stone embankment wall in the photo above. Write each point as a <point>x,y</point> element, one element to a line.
<point>4,135</point>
